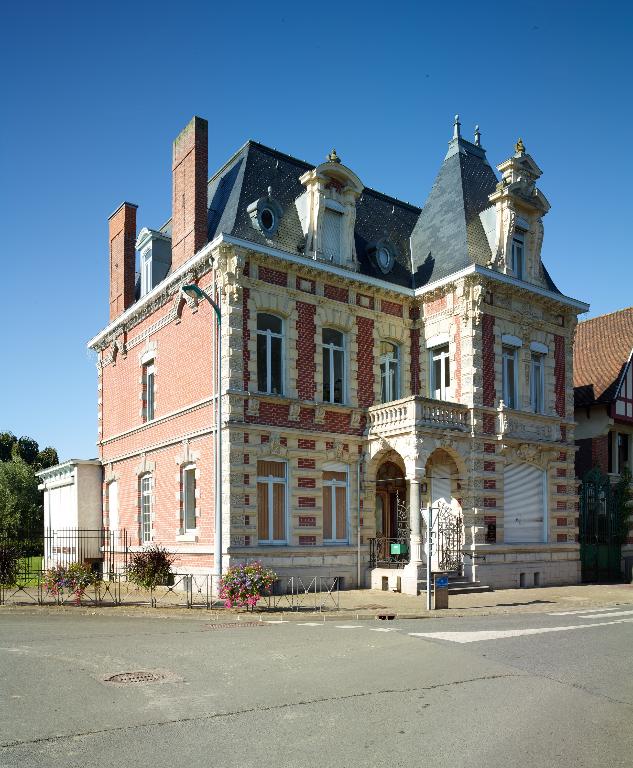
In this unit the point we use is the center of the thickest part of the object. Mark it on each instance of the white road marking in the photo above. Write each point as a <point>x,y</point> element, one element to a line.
<point>474,637</point>
<point>587,610</point>
<point>310,624</point>
<point>276,621</point>
<point>348,626</point>
<point>607,615</point>
<point>381,629</point>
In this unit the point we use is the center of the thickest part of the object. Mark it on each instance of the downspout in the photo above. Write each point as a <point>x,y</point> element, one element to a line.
<point>361,459</point>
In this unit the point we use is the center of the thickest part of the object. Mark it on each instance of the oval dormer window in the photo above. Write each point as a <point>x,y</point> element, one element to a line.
<point>382,254</point>
<point>384,258</point>
<point>267,219</point>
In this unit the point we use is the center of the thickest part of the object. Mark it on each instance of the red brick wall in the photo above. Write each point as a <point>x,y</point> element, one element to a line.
<point>559,374</point>
<point>488,362</point>
<point>336,292</point>
<point>122,236</point>
<point>274,276</point>
<point>433,307</point>
<point>189,191</point>
<point>415,361</point>
<point>306,350</point>
<point>600,452</point>
<point>391,308</point>
<point>365,368</point>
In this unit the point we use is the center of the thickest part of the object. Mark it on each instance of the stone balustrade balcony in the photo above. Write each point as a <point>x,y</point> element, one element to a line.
<point>411,413</point>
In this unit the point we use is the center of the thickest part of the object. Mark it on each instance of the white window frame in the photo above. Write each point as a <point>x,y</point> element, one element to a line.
<point>332,348</point>
<point>333,485</point>
<point>537,382</point>
<point>270,481</point>
<point>186,510</point>
<point>146,502</point>
<point>149,376</point>
<point>146,272</point>
<point>269,335</point>
<point>510,352</point>
<point>386,360</point>
<point>518,254</point>
<point>438,353</point>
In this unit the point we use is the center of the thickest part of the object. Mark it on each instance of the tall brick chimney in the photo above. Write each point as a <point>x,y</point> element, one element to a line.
<point>189,200</point>
<point>122,226</point>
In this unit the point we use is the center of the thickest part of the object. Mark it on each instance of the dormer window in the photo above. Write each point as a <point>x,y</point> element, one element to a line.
<point>518,255</point>
<point>155,258</point>
<point>327,212</point>
<point>265,215</point>
<point>146,271</point>
<point>332,230</point>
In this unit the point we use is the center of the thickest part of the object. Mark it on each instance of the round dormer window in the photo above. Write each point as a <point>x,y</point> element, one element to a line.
<point>383,257</point>
<point>267,219</point>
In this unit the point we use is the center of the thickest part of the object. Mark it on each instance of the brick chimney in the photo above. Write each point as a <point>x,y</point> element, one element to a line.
<point>189,200</point>
<point>122,225</point>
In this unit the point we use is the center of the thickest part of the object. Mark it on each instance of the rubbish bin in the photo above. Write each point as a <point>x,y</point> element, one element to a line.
<point>440,591</point>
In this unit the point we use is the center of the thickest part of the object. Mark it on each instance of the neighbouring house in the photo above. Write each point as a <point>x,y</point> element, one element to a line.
<point>603,402</point>
<point>377,358</point>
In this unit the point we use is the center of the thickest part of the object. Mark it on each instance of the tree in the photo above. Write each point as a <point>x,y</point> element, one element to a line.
<point>26,449</point>
<point>7,441</point>
<point>21,508</point>
<point>624,504</point>
<point>46,458</point>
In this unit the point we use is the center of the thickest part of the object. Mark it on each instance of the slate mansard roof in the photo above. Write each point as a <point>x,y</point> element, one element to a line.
<point>602,349</point>
<point>452,231</point>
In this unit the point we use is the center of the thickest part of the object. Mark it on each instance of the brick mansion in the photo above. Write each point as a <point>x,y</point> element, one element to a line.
<point>376,359</point>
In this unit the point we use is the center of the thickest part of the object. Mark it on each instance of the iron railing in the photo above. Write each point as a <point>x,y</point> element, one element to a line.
<point>389,553</point>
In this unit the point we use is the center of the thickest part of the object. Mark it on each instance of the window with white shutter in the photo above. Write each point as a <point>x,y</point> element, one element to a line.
<point>332,230</point>
<point>524,505</point>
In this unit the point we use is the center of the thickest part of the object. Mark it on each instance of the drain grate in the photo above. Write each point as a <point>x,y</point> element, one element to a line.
<point>131,678</point>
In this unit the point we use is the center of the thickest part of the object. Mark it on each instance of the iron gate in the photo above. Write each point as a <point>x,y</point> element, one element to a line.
<point>449,529</point>
<point>599,527</point>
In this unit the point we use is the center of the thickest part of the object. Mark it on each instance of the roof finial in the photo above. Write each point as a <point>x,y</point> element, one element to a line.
<point>333,157</point>
<point>477,136</point>
<point>456,127</point>
<point>519,147</point>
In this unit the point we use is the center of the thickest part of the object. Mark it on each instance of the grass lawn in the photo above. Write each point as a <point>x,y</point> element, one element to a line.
<point>29,567</point>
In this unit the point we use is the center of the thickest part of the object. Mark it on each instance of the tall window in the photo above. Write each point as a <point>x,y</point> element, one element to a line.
<point>335,507</point>
<point>389,371</point>
<point>148,391</point>
<point>618,458</point>
<point>332,230</point>
<point>509,376</point>
<point>333,344</point>
<point>146,272</point>
<point>271,502</point>
<point>537,383</point>
<point>146,508</point>
<point>440,373</point>
<point>269,354</point>
<point>518,255</point>
<point>188,522</point>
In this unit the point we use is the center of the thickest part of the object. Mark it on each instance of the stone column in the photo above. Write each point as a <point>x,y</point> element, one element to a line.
<point>415,541</point>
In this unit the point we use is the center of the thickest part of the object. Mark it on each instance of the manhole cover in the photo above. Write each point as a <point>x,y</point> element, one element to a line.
<point>129,678</point>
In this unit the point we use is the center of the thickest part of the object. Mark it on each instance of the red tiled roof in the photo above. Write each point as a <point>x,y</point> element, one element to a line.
<point>601,350</point>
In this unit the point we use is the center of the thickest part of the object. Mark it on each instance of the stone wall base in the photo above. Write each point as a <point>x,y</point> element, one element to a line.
<point>535,573</point>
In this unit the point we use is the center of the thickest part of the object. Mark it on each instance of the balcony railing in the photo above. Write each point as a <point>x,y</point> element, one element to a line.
<point>411,412</point>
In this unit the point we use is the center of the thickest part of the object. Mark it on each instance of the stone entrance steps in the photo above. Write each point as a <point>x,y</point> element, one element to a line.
<point>457,585</point>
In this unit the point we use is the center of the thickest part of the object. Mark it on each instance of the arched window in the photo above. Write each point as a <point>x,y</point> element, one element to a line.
<point>269,354</point>
<point>333,345</point>
<point>389,371</point>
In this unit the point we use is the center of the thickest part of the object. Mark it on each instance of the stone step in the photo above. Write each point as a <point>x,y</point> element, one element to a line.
<point>458,586</point>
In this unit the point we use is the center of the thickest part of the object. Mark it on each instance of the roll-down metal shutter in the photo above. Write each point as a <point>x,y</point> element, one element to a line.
<point>523,504</point>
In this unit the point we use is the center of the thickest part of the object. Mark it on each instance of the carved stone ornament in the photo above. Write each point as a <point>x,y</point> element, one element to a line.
<point>294,411</point>
<point>230,264</point>
<point>338,453</point>
<point>275,447</point>
<point>144,466</point>
<point>354,420</point>
<point>531,454</point>
<point>319,414</point>
<point>253,407</point>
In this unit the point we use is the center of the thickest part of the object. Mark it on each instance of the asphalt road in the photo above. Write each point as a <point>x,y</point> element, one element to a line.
<point>520,690</point>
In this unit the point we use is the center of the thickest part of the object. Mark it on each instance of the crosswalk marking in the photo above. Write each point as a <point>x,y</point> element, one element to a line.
<point>382,629</point>
<point>310,624</point>
<point>587,610</point>
<point>348,626</point>
<point>477,636</point>
<point>607,615</point>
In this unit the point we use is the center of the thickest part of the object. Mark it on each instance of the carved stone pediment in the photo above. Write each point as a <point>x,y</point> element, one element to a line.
<point>529,453</point>
<point>338,453</point>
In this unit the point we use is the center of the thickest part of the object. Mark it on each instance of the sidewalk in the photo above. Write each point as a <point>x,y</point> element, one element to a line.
<point>534,600</point>
<point>370,604</point>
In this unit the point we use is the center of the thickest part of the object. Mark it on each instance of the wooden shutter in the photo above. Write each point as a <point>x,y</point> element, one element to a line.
<point>327,511</point>
<point>523,504</point>
<point>262,511</point>
<point>279,512</point>
<point>341,513</point>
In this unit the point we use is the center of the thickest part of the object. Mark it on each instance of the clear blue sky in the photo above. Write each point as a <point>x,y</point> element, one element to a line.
<point>94,93</point>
